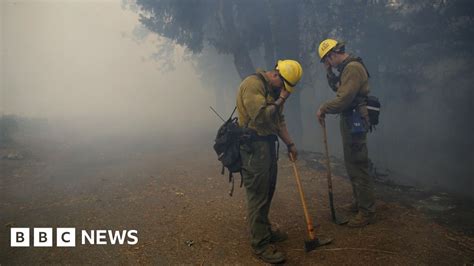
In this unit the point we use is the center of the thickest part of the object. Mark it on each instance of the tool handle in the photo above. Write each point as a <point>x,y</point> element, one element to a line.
<point>328,161</point>
<point>329,175</point>
<point>309,222</point>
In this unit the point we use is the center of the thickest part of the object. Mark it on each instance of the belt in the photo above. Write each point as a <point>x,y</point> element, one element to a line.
<point>347,112</point>
<point>269,138</point>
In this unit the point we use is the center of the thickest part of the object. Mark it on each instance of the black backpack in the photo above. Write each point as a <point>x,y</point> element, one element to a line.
<point>227,147</point>
<point>227,144</point>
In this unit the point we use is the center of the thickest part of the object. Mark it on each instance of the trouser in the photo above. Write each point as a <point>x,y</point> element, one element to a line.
<point>356,160</point>
<point>259,172</point>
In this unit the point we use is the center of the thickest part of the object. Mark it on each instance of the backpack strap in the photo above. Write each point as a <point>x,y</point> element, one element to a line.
<point>265,86</point>
<point>260,76</point>
<point>231,181</point>
<point>241,178</point>
<point>341,67</point>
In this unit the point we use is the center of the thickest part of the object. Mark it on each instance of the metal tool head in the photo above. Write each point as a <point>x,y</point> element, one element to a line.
<point>312,244</point>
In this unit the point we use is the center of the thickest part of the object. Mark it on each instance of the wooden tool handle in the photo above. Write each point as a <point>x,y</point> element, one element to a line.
<point>309,222</point>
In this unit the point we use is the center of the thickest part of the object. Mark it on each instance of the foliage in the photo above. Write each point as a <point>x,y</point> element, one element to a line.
<point>419,54</point>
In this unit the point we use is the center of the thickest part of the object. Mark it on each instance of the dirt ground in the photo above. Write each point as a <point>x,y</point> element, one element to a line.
<point>175,197</point>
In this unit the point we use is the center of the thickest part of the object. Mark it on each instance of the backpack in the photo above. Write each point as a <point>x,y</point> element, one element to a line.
<point>227,148</point>
<point>227,144</point>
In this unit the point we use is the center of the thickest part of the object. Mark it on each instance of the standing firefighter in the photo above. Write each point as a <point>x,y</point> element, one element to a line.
<point>260,102</point>
<point>352,89</point>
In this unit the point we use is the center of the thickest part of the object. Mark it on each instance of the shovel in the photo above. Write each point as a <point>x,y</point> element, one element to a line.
<point>313,241</point>
<point>340,220</point>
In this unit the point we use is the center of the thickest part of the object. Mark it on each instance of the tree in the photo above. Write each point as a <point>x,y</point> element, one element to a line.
<point>231,27</point>
<point>419,54</point>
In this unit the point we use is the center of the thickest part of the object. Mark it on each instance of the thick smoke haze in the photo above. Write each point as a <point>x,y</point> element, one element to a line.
<point>105,128</point>
<point>419,54</point>
<point>80,63</point>
<point>93,68</point>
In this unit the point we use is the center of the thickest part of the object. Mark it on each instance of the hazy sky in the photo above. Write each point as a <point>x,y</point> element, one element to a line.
<point>75,59</point>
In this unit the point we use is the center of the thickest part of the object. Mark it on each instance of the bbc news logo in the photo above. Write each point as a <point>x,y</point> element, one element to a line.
<point>66,237</point>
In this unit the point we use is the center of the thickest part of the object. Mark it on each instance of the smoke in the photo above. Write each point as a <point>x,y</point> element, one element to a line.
<point>424,135</point>
<point>2,61</point>
<point>81,65</point>
<point>89,67</point>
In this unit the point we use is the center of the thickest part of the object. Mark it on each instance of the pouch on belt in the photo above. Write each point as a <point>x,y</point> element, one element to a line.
<point>357,123</point>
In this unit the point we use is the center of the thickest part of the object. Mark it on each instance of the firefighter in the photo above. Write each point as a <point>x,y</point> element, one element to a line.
<point>260,102</point>
<point>352,88</point>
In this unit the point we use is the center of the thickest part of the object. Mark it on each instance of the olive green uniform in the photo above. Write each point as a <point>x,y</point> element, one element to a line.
<point>351,93</point>
<point>259,157</point>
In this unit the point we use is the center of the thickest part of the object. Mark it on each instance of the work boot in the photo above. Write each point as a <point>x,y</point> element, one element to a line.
<point>270,254</point>
<point>362,219</point>
<point>278,236</point>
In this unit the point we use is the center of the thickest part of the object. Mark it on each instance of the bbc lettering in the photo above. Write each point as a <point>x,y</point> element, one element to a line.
<point>66,237</point>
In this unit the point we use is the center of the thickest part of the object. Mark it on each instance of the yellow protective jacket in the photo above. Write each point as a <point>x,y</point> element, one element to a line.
<point>352,91</point>
<point>254,101</point>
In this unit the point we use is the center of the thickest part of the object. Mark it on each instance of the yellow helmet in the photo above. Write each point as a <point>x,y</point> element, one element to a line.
<point>291,72</point>
<point>326,46</point>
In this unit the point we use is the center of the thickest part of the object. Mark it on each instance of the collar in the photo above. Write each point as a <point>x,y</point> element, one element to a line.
<point>343,64</point>
<point>262,72</point>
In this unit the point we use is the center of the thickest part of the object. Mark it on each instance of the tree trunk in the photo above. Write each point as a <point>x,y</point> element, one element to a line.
<point>243,63</point>
<point>287,46</point>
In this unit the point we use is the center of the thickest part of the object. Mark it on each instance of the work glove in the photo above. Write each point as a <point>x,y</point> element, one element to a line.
<point>284,94</point>
<point>292,153</point>
<point>320,116</point>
